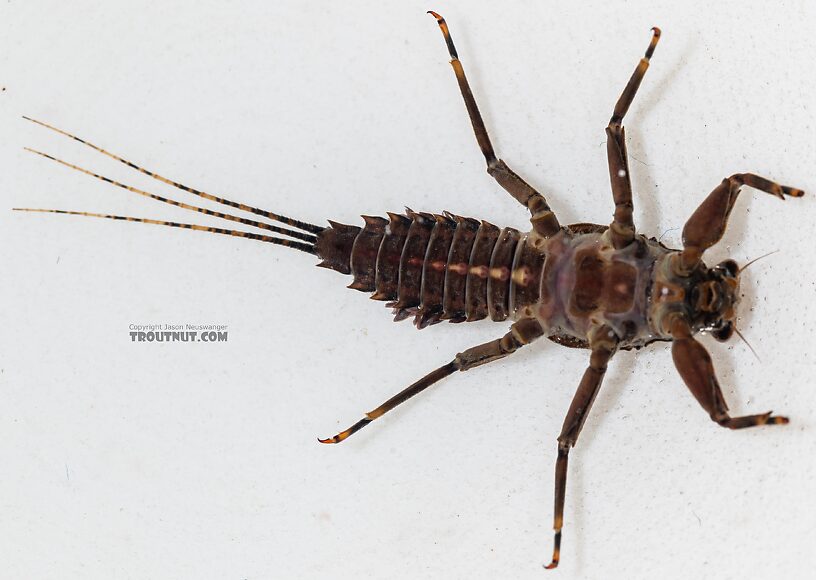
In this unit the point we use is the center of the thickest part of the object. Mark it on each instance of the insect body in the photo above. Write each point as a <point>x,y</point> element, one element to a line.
<point>602,288</point>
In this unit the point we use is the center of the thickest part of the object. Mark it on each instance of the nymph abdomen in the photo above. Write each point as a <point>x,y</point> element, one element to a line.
<point>436,267</point>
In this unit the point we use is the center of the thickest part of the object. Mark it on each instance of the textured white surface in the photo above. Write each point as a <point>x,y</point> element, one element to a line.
<point>124,460</point>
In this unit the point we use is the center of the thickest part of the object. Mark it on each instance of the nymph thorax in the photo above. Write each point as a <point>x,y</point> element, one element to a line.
<point>586,282</point>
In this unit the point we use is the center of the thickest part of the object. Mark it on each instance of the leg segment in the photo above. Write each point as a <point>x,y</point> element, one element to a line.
<point>521,333</point>
<point>543,219</point>
<point>623,227</point>
<point>707,224</point>
<point>603,344</point>
<point>694,365</point>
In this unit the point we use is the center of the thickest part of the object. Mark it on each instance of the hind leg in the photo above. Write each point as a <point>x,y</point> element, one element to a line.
<point>521,333</point>
<point>543,219</point>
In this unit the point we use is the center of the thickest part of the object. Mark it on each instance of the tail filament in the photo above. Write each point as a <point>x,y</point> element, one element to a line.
<point>305,235</point>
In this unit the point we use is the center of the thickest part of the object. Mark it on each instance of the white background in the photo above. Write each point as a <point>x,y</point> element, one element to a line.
<point>124,460</point>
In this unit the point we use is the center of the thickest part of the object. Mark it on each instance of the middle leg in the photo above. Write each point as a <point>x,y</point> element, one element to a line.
<point>543,219</point>
<point>622,228</point>
<point>603,343</point>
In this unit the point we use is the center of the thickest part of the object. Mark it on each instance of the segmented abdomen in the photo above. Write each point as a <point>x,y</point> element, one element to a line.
<point>435,267</point>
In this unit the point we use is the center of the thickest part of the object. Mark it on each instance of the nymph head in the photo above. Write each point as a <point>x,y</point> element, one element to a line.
<point>706,298</point>
<point>713,300</point>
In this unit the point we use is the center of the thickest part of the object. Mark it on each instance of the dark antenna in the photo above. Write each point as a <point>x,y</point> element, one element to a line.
<point>741,270</point>
<point>748,344</point>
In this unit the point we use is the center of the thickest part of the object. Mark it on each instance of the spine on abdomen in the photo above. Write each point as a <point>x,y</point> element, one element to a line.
<point>435,267</point>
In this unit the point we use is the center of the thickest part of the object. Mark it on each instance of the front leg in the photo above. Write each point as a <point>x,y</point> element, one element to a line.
<point>603,343</point>
<point>622,228</point>
<point>695,367</point>
<point>707,224</point>
<point>543,219</point>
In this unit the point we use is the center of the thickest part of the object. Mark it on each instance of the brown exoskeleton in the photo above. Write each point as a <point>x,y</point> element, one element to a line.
<point>603,288</point>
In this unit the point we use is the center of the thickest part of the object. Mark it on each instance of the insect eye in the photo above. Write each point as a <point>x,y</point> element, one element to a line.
<point>731,267</point>
<point>724,332</point>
